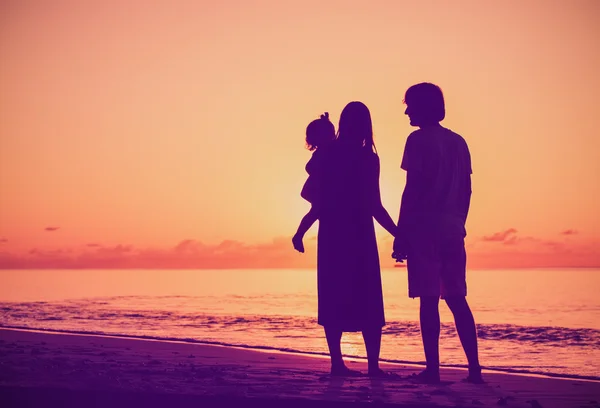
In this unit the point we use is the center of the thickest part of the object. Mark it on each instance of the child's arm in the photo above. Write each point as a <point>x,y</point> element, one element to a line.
<point>307,221</point>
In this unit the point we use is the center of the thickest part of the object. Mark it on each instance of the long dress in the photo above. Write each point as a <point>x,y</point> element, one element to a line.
<point>348,271</point>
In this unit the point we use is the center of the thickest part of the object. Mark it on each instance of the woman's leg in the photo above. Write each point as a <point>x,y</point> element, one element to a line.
<point>334,342</point>
<point>372,337</point>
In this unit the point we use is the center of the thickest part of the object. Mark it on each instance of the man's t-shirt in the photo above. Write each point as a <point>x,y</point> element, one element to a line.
<point>442,159</point>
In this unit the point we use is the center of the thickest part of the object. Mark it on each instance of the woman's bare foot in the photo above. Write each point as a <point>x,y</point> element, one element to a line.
<point>474,379</point>
<point>426,376</point>
<point>379,373</point>
<point>343,371</point>
<point>474,376</point>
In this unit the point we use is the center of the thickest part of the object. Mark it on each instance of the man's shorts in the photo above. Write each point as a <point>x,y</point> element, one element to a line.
<point>436,266</point>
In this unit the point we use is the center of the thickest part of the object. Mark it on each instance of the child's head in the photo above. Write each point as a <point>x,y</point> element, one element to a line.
<point>319,132</point>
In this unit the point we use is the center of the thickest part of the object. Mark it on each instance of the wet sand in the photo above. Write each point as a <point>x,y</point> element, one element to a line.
<point>47,369</point>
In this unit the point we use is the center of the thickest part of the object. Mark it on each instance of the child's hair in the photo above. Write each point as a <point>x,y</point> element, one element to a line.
<point>319,132</point>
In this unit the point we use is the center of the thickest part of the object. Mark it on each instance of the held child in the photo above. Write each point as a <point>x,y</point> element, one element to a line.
<point>319,135</point>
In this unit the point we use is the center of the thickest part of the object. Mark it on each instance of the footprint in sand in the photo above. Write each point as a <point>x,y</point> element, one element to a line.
<point>438,392</point>
<point>421,396</point>
<point>241,376</point>
<point>503,401</point>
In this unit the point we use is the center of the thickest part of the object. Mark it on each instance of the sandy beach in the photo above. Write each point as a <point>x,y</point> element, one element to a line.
<point>48,369</point>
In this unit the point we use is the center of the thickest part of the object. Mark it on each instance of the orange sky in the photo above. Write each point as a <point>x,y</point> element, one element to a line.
<point>134,126</point>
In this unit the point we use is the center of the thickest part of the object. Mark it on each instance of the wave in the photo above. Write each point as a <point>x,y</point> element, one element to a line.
<point>96,313</point>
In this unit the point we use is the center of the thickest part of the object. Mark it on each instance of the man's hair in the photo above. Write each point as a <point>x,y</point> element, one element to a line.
<point>428,100</point>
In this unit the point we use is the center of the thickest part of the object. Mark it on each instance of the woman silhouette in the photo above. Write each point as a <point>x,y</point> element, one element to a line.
<point>348,272</point>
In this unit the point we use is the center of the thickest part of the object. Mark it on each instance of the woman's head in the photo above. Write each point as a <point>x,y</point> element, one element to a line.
<point>355,125</point>
<point>319,132</point>
<point>424,104</point>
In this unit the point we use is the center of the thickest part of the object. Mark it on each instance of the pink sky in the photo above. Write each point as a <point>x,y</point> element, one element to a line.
<point>137,126</point>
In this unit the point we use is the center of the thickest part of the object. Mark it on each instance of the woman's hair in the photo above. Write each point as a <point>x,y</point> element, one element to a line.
<point>319,132</point>
<point>356,126</point>
<point>427,100</point>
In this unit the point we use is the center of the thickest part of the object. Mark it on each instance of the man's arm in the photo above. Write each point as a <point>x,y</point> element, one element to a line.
<point>466,199</point>
<point>412,163</point>
<point>408,207</point>
<point>410,196</point>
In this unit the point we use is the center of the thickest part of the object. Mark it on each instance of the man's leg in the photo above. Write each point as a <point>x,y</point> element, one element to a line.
<point>424,270</point>
<point>467,332</point>
<point>430,333</point>
<point>454,289</point>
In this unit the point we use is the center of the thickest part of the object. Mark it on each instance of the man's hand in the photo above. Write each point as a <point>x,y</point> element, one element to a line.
<point>400,248</point>
<point>298,244</point>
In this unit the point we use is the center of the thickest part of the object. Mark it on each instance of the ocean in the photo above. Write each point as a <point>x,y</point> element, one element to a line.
<point>533,320</point>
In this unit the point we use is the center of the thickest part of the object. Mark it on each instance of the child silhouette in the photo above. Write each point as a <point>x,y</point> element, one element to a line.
<point>319,135</point>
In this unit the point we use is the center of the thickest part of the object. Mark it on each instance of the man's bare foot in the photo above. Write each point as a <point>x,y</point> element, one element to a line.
<point>426,377</point>
<point>343,371</point>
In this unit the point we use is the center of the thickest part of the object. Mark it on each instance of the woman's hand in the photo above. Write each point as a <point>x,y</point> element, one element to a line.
<point>298,244</point>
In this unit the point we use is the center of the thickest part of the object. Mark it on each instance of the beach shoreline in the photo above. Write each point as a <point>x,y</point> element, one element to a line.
<point>269,349</point>
<point>75,367</point>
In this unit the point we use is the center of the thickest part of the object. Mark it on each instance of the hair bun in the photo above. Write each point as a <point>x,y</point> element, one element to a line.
<point>325,116</point>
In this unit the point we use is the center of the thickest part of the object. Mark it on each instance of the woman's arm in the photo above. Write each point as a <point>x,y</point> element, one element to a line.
<point>379,212</point>
<point>383,218</point>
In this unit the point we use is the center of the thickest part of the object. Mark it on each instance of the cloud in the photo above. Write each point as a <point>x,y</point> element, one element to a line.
<point>569,232</point>
<point>187,254</point>
<point>500,236</point>
<point>51,229</point>
<point>3,240</point>
<point>511,240</point>
<point>529,251</point>
<point>516,252</point>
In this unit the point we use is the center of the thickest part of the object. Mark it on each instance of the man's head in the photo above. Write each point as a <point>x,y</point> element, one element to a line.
<point>424,104</point>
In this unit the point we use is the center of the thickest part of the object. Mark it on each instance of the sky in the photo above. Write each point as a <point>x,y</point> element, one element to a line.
<point>171,133</point>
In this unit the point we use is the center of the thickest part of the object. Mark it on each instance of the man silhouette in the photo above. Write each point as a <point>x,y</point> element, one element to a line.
<point>431,226</point>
